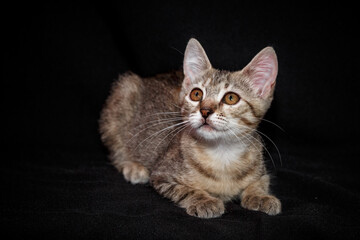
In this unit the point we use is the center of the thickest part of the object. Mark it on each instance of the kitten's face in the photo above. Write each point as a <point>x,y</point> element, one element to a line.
<point>221,105</point>
<point>218,107</point>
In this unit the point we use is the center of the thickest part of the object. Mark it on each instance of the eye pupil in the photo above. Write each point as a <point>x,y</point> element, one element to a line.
<point>196,93</point>
<point>230,97</point>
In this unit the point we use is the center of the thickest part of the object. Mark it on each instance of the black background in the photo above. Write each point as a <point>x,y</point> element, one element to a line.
<point>58,65</point>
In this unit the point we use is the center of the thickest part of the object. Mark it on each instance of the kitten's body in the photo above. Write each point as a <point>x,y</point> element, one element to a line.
<point>198,161</point>
<point>130,117</point>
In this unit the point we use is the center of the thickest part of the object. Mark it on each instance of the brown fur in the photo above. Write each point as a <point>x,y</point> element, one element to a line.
<point>148,143</point>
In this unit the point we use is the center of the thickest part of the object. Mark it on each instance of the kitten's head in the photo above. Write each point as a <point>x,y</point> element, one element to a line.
<point>222,104</point>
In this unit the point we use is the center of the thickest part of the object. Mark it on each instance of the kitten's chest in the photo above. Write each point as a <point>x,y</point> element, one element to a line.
<point>223,158</point>
<point>219,170</point>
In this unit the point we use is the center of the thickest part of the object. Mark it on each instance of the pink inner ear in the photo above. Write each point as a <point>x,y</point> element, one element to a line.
<point>262,71</point>
<point>262,76</point>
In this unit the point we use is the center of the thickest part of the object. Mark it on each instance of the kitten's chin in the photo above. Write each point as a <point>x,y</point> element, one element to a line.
<point>207,128</point>
<point>208,132</point>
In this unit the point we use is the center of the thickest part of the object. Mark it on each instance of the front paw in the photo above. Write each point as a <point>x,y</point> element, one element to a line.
<point>267,204</point>
<point>206,208</point>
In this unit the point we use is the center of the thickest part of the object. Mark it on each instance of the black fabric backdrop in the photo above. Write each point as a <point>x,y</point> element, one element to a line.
<point>58,65</point>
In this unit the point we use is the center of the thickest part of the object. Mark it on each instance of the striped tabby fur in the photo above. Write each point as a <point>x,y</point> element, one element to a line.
<point>202,153</point>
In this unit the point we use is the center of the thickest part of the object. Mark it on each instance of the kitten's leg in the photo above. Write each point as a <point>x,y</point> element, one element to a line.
<point>256,197</point>
<point>197,203</point>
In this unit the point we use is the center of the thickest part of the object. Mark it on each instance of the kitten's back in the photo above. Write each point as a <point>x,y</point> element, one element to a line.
<point>133,118</point>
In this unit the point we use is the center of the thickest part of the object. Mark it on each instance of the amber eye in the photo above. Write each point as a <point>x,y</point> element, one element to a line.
<point>231,98</point>
<point>196,94</point>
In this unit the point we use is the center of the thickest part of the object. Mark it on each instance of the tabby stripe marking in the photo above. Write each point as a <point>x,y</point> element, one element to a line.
<point>207,173</point>
<point>253,111</point>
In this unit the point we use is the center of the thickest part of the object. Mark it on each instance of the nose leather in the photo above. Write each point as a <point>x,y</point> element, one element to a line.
<point>205,112</point>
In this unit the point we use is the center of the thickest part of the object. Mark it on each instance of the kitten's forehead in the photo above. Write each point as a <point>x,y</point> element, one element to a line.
<point>217,76</point>
<point>216,81</point>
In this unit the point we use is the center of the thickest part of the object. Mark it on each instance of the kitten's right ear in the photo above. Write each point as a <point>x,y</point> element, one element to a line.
<point>195,61</point>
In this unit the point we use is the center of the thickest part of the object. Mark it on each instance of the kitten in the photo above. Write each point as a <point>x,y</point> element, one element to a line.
<point>193,135</point>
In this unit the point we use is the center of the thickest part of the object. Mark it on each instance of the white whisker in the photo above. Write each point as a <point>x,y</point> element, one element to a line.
<point>263,134</point>
<point>165,113</point>
<point>246,136</point>
<point>178,129</point>
<point>263,119</point>
<point>277,149</point>
<point>240,127</point>
<point>176,105</point>
<point>157,122</point>
<point>159,132</point>
<point>175,129</point>
<point>234,134</point>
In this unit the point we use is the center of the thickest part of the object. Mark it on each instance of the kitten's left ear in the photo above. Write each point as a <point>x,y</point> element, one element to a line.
<point>195,61</point>
<point>262,72</point>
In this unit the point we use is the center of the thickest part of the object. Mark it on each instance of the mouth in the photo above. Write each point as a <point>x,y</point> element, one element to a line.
<point>207,127</point>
